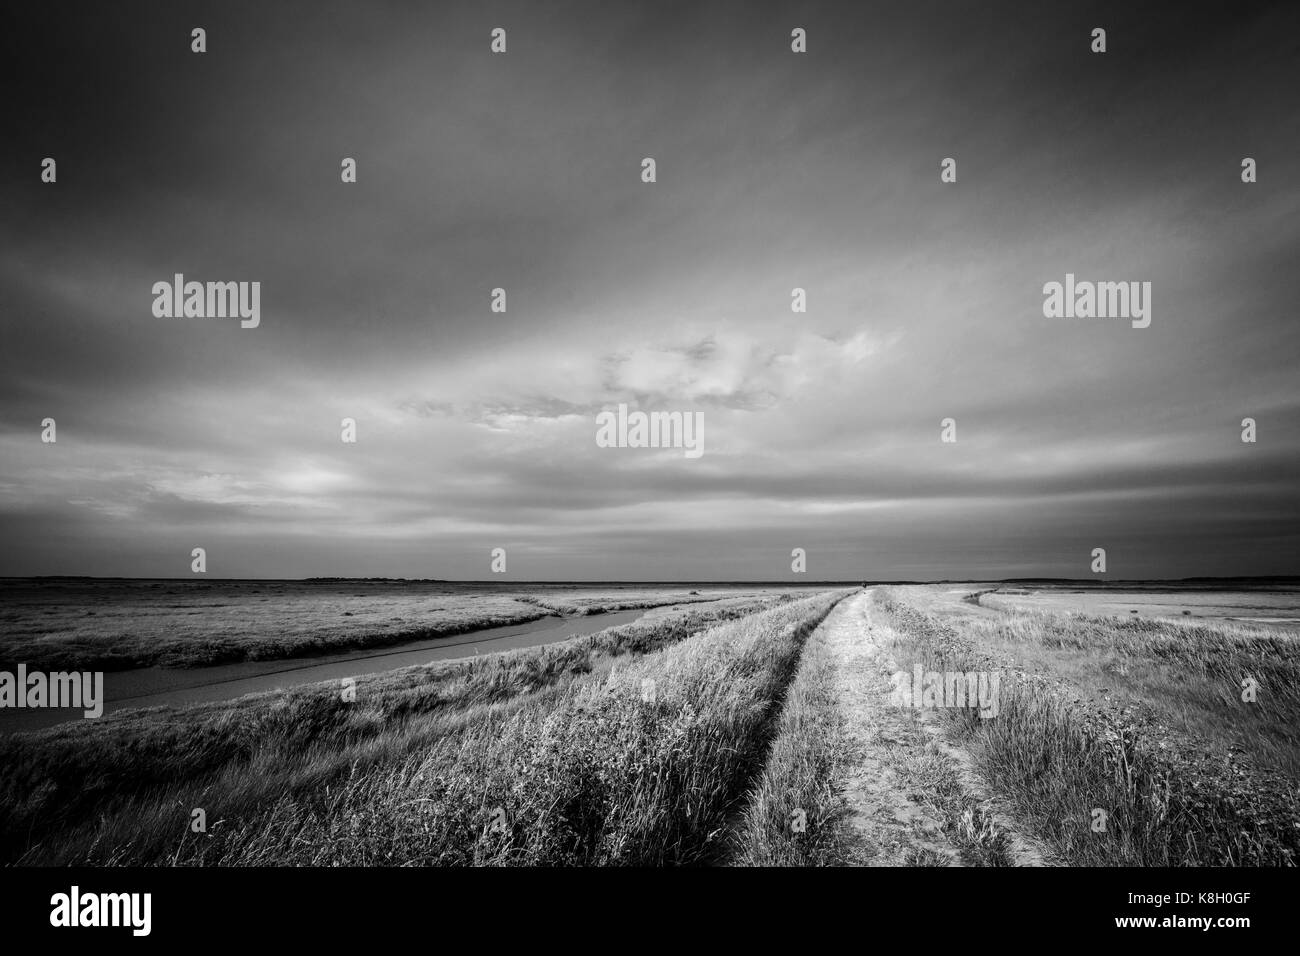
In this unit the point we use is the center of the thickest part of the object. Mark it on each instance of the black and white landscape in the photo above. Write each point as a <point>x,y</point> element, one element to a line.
<point>649,434</point>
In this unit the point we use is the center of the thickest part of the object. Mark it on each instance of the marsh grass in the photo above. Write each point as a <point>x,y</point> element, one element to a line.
<point>1059,756</point>
<point>800,774</point>
<point>591,773</point>
<point>1189,674</point>
<point>98,625</point>
<point>122,789</point>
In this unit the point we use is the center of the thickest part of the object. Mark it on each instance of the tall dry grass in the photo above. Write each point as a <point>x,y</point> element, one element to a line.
<point>794,814</point>
<point>1059,756</point>
<point>122,789</point>
<point>601,772</point>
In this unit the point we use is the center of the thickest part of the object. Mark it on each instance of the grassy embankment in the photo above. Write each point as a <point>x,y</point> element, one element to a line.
<point>794,813</point>
<point>583,769</point>
<point>643,764</point>
<point>1142,720</point>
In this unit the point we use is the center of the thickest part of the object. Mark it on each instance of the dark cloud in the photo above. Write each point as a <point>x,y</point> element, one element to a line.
<point>476,429</point>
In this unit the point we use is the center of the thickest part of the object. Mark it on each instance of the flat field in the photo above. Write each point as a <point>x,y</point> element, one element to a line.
<point>733,726</point>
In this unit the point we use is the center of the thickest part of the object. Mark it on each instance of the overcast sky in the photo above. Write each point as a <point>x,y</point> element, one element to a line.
<point>523,171</point>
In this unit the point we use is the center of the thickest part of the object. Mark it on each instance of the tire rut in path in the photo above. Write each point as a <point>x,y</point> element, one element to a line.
<point>889,820</point>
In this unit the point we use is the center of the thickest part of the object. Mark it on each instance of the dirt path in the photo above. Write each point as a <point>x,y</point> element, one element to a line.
<point>912,797</point>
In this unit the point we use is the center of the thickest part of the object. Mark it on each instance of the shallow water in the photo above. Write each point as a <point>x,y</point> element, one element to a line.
<point>156,686</point>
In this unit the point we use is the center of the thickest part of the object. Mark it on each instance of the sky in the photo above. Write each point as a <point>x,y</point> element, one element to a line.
<point>775,170</point>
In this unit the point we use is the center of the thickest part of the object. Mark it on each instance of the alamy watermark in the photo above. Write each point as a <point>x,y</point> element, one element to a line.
<point>927,690</point>
<point>82,690</point>
<point>1100,300</point>
<point>624,429</point>
<point>75,908</point>
<point>211,300</point>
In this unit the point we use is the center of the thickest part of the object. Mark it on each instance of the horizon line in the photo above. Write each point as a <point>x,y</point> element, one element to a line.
<point>765,581</point>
